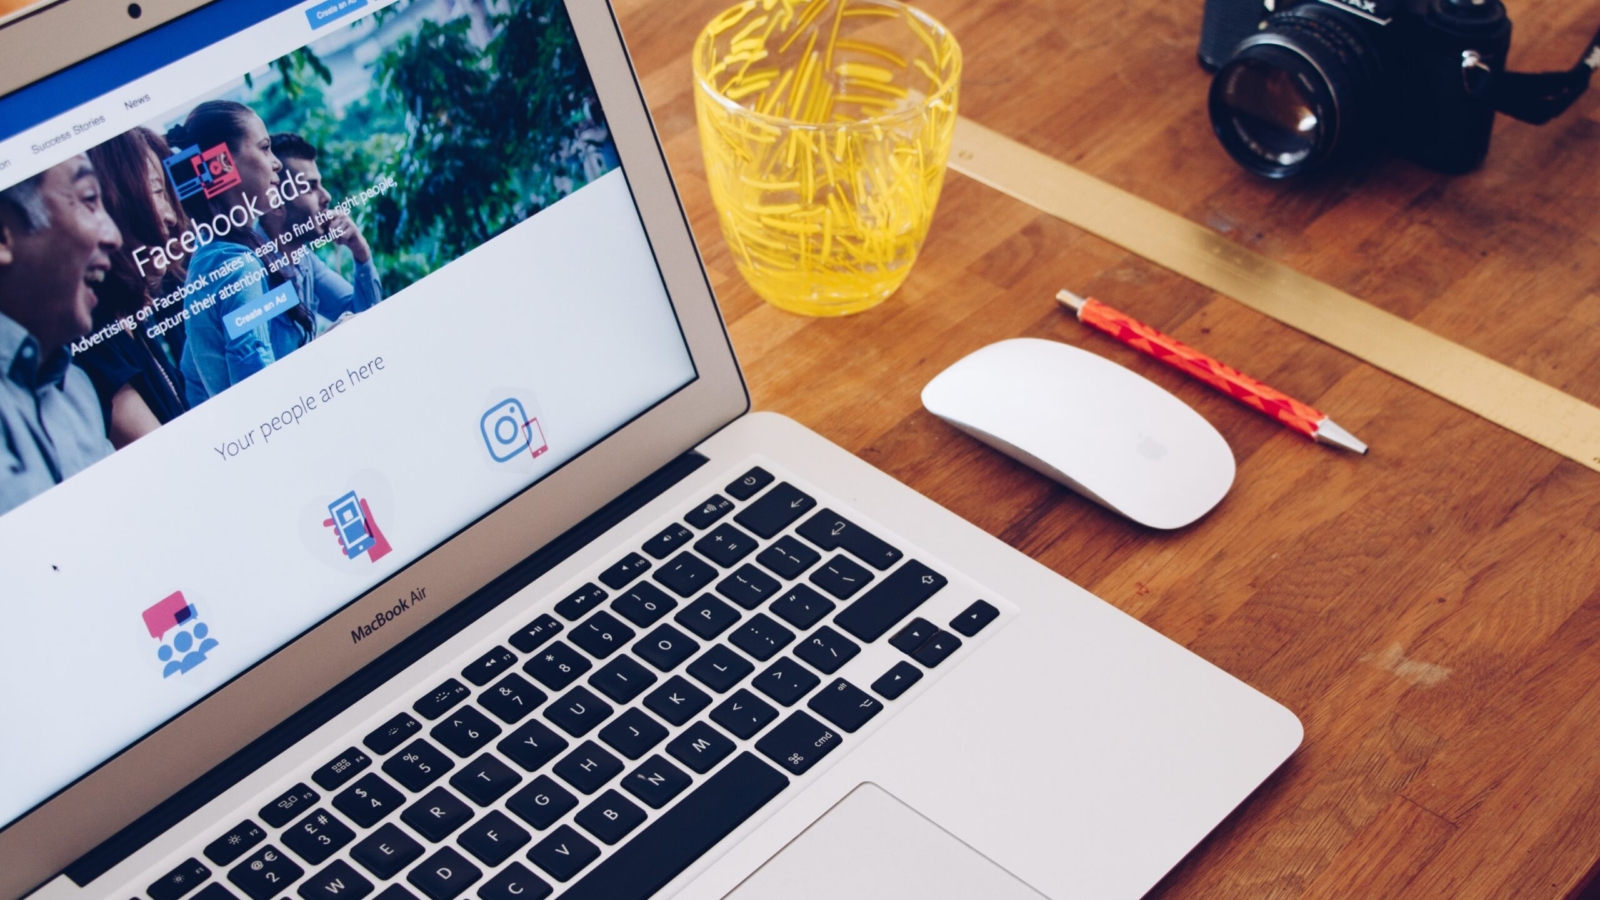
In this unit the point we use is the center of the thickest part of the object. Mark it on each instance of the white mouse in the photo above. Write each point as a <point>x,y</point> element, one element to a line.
<point>1094,426</point>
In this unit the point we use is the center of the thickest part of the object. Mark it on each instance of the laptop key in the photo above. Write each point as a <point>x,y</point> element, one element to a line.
<point>341,769</point>
<point>706,514</point>
<point>215,891</point>
<point>515,882</point>
<point>655,782</point>
<point>418,765</point>
<point>937,649</point>
<point>542,803</point>
<point>677,700</point>
<point>488,667</point>
<point>669,540</point>
<point>610,817</point>
<point>622,679</point>
<point>974,618</point>
<point>578,712</point>
<point>395,891</point>
<point>785,681</point>
<point>557,666</point>
<point>831,531</point>
<point>444,875</point>
<point>493,838</point>
<point>265,873</point>
<point>511,698</point>
<point>485,779</point>
<point>886,603</point>
<point>532,745</point>
<point>802,607</point>
<point>743,714</point>
<point>465,731</point>
<point>367,801</point>
<point>845,705</point>
<point>672,843</point>
<point>231,846</point>
<point>775,511</point>
<point>339,880</point>
<point>588,768</point>
<point>749,483</point>
<point>914,635</point>
<point>441,699</point>
<point>643,604</point>
<point>841,577</point>
<point>749,587</point>
<point>761,637</point>
<point>392,734</point>
<point>633,734</point>
<point>665,648</point>
<point>827,650</point>
<point>720,668</point>
<point>788,558</point>
<point>387,851</point>
<point>897,680</point>
<point>726,545</point>
<point>185,877</point>
<point>437,814</point>
<point>580,602</point>
<point>289,804</point>
<point>707,617</point>
<point>533,635</point>
<point>798,743</point>
<point>601,635</point>
<point>625,570</point>
<point>317,837</point>
<point>564,853</point>
<point>685,574</point>
<point>700,747</point>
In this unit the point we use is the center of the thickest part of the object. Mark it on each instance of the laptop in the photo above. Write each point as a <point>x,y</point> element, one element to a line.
<point>384,515</point>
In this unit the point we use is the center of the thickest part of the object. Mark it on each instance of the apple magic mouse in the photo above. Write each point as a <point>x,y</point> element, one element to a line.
<point>1096,427</point>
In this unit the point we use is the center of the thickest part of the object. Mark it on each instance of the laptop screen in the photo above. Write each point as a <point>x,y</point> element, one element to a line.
<point>290,293</point>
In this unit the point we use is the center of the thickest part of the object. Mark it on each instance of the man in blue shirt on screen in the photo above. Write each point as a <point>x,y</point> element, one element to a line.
<point>56,241</point>
<point>324,290</point>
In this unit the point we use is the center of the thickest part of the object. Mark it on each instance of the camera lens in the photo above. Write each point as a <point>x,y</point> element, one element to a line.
<point>135,10</point>
<point>1297,94</point>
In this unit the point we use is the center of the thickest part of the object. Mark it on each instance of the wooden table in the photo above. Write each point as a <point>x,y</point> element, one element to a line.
<point>1431,612</point>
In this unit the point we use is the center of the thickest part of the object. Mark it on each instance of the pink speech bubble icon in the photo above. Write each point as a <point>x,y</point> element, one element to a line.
<point>168,614</point>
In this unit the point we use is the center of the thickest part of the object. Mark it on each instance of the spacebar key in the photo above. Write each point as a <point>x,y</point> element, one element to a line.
<point>891,600</point>
<point>673,842</point>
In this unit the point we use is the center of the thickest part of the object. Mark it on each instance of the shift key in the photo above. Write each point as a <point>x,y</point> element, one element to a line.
<point>894,598</point>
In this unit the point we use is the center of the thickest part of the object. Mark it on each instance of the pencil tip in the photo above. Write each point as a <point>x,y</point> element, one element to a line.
<point>1070,300</point>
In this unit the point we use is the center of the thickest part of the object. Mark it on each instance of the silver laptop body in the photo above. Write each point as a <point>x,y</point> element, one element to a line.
<point>665,647</point>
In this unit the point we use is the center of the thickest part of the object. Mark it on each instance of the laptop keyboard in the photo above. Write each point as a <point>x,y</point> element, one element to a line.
<point>601,749</point>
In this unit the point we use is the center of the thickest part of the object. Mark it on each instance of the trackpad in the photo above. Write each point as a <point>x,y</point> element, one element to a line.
<point>873,847</point>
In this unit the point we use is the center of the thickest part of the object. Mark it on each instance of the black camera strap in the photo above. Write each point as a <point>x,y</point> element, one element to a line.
<point>1536,97</point>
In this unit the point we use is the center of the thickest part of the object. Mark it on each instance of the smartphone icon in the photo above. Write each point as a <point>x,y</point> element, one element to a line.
<point>351,525</point>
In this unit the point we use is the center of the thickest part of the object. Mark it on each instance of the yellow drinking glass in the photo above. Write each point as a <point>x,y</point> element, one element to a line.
<point>826,125</point>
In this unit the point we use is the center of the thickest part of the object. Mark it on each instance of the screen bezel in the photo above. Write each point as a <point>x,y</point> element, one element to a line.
<point>73,821</point>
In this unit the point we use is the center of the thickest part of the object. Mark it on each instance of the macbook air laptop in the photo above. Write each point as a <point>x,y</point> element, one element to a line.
<point>382,515</point>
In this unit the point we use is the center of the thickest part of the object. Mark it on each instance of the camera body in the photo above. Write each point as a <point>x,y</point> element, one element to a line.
<point>1398,75</point>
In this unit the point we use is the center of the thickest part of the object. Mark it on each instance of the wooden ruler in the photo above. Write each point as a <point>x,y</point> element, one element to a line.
<point>1474,382</point>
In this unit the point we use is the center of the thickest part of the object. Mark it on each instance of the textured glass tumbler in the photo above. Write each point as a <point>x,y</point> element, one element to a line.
<point>826,126</point>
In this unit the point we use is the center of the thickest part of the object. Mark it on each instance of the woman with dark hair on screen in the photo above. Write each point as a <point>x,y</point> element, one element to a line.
<point>136,374</point>
<point>229,336</point>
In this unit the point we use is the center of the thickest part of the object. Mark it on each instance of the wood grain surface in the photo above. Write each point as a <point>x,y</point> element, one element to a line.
<point>1432,611</point>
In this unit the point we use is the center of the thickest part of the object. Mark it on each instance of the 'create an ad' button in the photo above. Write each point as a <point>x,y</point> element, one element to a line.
<point>332,10</point>
<point>262,310</point>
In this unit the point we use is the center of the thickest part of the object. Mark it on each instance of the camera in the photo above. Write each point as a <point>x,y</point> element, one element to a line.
<point>1301,83</point>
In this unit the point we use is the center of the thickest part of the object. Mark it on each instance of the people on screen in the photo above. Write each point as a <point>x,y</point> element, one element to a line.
<point>303,219</point>
<point>135,369</point>
<point>224,345</point>
<point>56,244</point>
